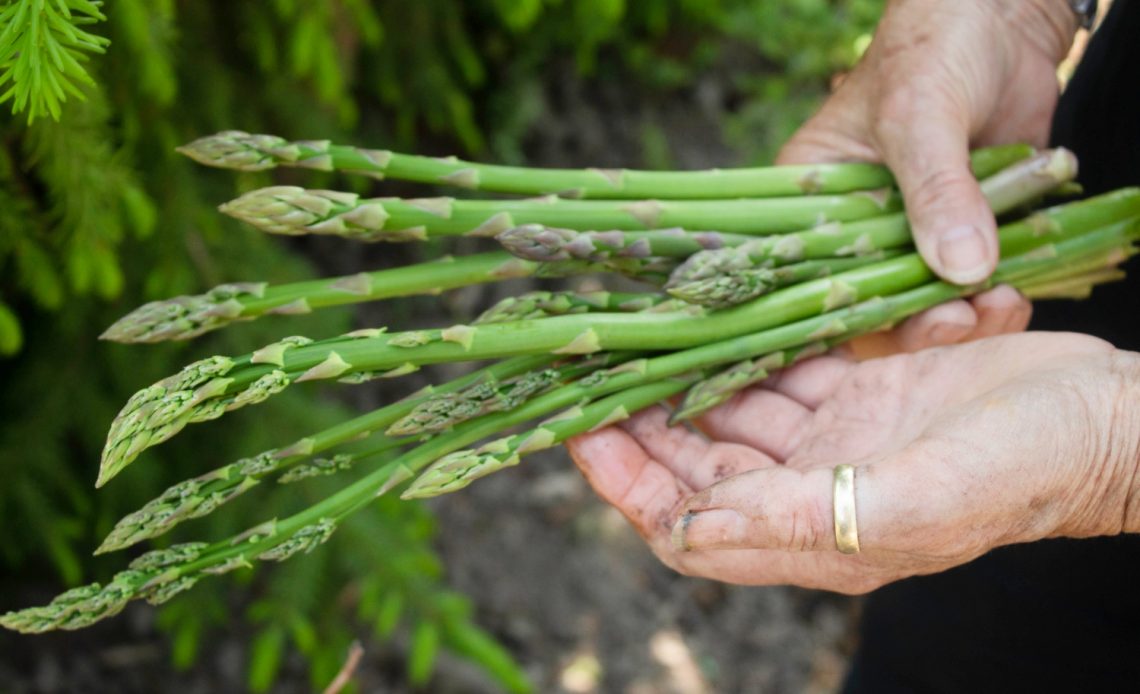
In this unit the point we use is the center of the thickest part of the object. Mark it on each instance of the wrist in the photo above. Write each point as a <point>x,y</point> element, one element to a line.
<point>1126,438</point>
<point>1101,486</point>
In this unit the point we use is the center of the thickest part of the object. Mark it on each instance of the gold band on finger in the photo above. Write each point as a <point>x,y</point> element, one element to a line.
<point>843,498</point>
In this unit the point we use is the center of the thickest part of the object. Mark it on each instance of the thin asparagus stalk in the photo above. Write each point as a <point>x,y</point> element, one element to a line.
<point>1072,288</point>
<point>238,150</point>
<point>736,287</point>
<point>1005,190</point>
<point>160,574</point>
<point>717,389</point>
<point>542,243</point>
<point>185,317</point>
<point>541,304</point>
<point>207,389</point>
<point>445,410</point>
<point>292,211</point>
<point>1095,265</point>
<point>457,470</point>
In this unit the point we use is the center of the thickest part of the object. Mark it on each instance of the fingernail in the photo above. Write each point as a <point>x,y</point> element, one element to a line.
<point>962,252</point>
<point>718,528</point>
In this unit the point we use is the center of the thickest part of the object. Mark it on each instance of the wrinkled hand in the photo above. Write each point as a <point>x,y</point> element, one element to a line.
<point>939,77</point>
<point>958,450</point>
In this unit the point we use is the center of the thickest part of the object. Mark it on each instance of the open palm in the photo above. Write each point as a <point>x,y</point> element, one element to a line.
<point>958,450</point>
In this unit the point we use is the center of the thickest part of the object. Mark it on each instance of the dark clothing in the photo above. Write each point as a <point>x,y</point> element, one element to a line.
<point>1058,615</point>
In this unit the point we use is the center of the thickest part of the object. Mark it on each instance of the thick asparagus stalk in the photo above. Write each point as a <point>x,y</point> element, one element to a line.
<point>1006,190</point>
<point>238,150</point>
<point>294,211</point>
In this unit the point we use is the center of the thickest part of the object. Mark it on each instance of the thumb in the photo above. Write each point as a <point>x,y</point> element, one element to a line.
<point>925,141</point>
<point>775,508</point>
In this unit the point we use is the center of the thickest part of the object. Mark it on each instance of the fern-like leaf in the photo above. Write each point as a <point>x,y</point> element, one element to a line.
<point>42,50</point>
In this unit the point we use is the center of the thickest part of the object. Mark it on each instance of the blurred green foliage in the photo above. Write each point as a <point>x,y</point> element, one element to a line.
<point>97,214</point>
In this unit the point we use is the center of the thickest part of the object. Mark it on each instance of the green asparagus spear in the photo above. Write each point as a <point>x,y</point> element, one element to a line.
<point>238,150</point>
<point>185,317</point>
<point>292,211</point>
<point>542,243</point>
<point>540,304</point>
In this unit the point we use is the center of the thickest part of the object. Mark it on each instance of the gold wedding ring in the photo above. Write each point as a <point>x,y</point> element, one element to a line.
<point>843,498</point>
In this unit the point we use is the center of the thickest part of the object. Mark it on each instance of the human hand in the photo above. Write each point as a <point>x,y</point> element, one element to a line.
<point>939,77</point>
<point>958,450</point>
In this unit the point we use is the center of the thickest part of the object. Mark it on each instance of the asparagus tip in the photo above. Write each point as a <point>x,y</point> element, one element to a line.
<point>236,149</point>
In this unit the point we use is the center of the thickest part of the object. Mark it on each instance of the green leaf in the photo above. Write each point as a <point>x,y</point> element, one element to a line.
<point>265,658</point>
<point>304,635</point>
<point>518,14</point>
<point>479,647</point>
<point>140,210</point>
<point>388,616</point>
<point>421,657</point>
<point>37,273</point>
<point>107,277</point>
<point>11,337</point>
<point>187,637</point>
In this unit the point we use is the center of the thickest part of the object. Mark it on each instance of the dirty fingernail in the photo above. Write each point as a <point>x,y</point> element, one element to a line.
<point>715,529</point>
<point>963,253</point>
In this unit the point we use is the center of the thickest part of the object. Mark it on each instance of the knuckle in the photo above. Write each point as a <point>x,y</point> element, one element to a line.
<point>809,526</point>
<point>895,109</point>
<point>940,186</point>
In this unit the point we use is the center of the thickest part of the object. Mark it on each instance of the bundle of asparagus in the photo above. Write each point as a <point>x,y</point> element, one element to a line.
<point>746,272</point>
